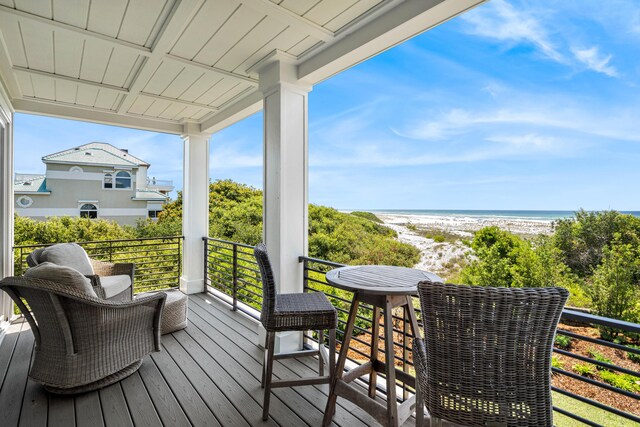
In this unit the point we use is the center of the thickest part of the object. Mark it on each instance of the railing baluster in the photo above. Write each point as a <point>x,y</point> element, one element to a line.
<point>235,277</point>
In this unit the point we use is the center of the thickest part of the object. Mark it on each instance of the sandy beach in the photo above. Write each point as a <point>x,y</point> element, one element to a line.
<point>446,257</point>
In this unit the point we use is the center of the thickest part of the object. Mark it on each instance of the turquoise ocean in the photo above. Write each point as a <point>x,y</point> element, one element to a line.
<point>538,215</point>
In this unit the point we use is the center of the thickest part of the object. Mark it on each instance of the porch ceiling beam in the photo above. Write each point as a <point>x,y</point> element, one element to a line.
<point>379,33</point>
<point>215,70</point>
<point>118,89</point>
<point>67,111</point>
<point>178,19</point>
<point>132,47</point>
<point>292,19</point>
<point>250,104</point>
<point>179,101</point>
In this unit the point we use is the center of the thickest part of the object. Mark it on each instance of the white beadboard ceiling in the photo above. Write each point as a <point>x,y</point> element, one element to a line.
<point>157,64</point>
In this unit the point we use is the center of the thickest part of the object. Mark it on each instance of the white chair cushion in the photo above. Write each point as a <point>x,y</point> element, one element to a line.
<point>63,275</point>
<point>68,255</point>
<point>113,285</point>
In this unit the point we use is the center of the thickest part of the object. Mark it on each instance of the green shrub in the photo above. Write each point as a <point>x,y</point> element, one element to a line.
<point>367,215</point>
<point>556,363</point>
<point>594,354</point>
<point>563,341</point>
<point>439,239</point>
<point>634,357</point>
<point>624,381</point>
<point>614,289</point>
<point>584,369</point>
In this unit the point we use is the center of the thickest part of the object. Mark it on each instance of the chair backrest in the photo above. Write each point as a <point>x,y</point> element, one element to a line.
<point>268,282</point>
<point>488,352</point>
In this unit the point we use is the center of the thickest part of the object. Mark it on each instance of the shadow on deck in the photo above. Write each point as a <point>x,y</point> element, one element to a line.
<point>207,374</point>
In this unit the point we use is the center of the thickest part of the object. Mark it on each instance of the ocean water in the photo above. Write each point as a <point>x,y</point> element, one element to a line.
<point>497,214</point>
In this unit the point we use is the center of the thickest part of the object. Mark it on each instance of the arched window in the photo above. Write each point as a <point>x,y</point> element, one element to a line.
<point>123,179</point>
<point>76,169</point>
<point>108,180</point>
<point>88,210</point>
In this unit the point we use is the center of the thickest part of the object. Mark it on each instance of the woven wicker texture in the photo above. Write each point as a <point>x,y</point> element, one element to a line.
<point>81,340</point>
<point>487,352</point>
<point>291,312</point>
<point>100,268</point>
<point>174,313</point>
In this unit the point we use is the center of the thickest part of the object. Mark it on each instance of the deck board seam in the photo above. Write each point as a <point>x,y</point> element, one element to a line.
<point>252,357</point>
<point>197,363</point>
<point>212,311</point>
<point>280,364</point>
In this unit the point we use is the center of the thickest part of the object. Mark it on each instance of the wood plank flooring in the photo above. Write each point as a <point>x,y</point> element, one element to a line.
<point>206,375</point>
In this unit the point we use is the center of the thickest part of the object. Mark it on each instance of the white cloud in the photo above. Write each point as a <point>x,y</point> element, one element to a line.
<point>501,21</point>
<point>596,61</point>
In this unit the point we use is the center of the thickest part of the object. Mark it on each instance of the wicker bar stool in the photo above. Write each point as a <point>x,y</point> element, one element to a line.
<point>293,312</point>
<point>486,356</point>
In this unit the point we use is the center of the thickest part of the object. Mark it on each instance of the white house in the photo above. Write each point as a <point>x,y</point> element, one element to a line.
<point>95,180</point>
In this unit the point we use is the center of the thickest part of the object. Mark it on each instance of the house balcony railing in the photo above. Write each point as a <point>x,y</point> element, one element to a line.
<point>157,260</point>
<point>232,274</point>
<point>152,182</point>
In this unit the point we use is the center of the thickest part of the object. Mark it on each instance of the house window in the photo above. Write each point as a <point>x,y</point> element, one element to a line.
<point>123,179</point>
<point>88,210</point>
<point>24,201</point>
<point>108,180</point>
<point>154,214</point>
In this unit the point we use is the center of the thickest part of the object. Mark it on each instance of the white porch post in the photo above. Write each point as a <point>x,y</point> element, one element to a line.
<point>195,208</point>
<point>6,205</point>
<point>285,209</point>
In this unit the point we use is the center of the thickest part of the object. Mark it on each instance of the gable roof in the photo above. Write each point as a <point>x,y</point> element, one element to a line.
<point>95,153</point>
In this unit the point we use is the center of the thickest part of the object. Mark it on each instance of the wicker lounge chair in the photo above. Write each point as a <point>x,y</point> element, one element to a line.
<point>83,342</point>
<point>113,282</point>
<point>293,312</point>
<point>485,359</point>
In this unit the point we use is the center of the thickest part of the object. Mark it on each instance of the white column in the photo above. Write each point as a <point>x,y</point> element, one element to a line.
<point>6,207</point>
<point>285,178</point>
<point>195,208</point>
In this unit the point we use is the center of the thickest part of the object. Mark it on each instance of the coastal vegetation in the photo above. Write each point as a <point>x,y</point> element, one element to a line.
<point>235,214</point>
<point>595,255</point>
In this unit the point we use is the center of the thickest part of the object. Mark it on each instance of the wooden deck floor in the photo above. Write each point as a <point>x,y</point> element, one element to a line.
<point>207,374</point>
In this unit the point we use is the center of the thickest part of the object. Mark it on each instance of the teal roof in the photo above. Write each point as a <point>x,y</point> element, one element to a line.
<point>33,184</point>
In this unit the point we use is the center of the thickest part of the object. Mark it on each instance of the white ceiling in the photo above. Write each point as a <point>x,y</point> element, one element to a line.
<point>156,64</point>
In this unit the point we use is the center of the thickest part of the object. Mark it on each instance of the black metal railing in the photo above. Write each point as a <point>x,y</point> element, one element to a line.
<point>232,270</point>
<point>157,260</point>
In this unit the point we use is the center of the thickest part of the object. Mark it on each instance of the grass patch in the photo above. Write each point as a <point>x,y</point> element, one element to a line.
<point>586,411</point>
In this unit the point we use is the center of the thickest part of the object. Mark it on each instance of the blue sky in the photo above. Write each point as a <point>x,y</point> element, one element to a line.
<point>515,105</point>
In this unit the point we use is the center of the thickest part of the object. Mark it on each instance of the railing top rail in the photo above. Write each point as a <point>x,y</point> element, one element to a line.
<point>102,241</point>
<point>321,261</point>
<point>578,316</point>
<point>212,239</point>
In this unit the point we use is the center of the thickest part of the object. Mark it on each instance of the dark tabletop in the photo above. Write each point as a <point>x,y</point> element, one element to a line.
<point>379,279</point>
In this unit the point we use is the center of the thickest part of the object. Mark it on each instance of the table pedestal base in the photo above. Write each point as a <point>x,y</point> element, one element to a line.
<point>391,414</point>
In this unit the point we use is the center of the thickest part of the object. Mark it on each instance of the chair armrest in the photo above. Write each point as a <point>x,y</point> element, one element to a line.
<point>131,327</point>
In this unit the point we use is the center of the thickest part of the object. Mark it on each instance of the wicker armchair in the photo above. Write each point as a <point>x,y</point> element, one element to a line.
<point>83,343</point>
<point>293,312</point>
<point>107,270</point>
<point>485,359</point>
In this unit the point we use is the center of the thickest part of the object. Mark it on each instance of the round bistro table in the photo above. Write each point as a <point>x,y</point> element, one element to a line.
<point>383,287</point>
